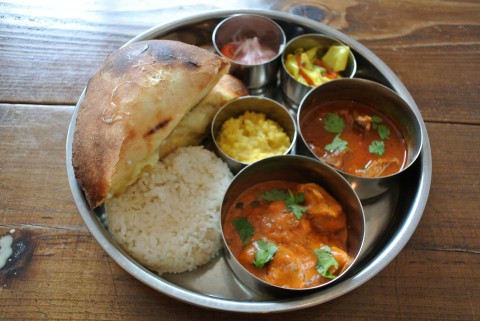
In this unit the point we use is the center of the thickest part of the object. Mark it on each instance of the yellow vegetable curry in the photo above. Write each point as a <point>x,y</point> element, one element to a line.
<point>251,137</point>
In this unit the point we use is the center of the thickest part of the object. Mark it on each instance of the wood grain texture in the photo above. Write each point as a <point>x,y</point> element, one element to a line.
<point>32,165</point>
<point>49,49</point>
<point>54,47</point>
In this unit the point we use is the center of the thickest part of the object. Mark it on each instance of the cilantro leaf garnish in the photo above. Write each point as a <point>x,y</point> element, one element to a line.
<point>264,254</point>
<point>377,147</point>
<point>337,144</point>
<point>333,123</point>
<point>274,195</point>
<point>244,229</point>
<point>383,131</point>
<point>376,119</point>
<point>291,201</point>
<point>325,261</point>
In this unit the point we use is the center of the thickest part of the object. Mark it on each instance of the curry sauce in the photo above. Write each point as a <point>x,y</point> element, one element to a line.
<point>354,138</point>
<point>298,230</point>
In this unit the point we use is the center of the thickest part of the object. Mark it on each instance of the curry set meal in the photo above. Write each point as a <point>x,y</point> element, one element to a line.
<point>141,150</point>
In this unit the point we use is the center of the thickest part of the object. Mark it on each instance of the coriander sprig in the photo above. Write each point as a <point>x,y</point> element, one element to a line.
<point>291,201</point>
<point>244,229</point>
<point>264,254</point>
<point>333,123</point>
<point>325,260</point>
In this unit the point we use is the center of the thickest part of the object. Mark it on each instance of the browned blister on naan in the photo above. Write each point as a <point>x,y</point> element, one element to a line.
<point>133,102</point>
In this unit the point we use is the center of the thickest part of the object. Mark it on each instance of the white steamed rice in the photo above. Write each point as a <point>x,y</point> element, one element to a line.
<point>169,221</point>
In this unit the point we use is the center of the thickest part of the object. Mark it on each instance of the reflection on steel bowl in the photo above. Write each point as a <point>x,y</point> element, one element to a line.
<point>291,223</point>
<point>362,129</point>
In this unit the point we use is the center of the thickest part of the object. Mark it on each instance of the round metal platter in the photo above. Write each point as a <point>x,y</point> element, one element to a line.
<point>389,222</point>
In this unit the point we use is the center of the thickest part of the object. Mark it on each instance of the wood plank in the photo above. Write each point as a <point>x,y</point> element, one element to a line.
<point>70,277</point>
<point>444,87</point>
<point>54,52</point>
<point>450,221</point>
<point>52,48</point>
<point>33,178</point>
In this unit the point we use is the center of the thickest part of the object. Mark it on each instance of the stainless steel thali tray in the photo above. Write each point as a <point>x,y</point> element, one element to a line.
<point>391,218</point>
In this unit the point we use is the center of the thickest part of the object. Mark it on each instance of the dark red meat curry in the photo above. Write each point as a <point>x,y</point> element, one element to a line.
<point>354,138</point>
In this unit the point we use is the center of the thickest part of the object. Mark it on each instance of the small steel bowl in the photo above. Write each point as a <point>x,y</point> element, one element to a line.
<point>294,90</point>
<point>272,109</point>
<point>383,99</point>
<point>299,169</point>
<point>245,26</point>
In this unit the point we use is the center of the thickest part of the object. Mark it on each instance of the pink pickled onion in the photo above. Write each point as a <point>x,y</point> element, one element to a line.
<point>251,52</point>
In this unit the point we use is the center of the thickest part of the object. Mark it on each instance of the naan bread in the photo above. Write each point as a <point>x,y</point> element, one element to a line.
<point>135,100</point>
<point>194,127</point>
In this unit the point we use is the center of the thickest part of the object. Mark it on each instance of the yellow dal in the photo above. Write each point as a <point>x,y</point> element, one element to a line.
<point>251,137</point>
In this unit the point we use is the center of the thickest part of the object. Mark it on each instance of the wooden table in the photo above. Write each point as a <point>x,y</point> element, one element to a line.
<point>49,49</point>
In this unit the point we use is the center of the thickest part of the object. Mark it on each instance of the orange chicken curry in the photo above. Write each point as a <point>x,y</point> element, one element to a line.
<point>288,234</point>
<point>354,138</point>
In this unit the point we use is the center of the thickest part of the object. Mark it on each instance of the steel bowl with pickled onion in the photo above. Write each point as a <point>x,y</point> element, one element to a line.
<point>253,44</point>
